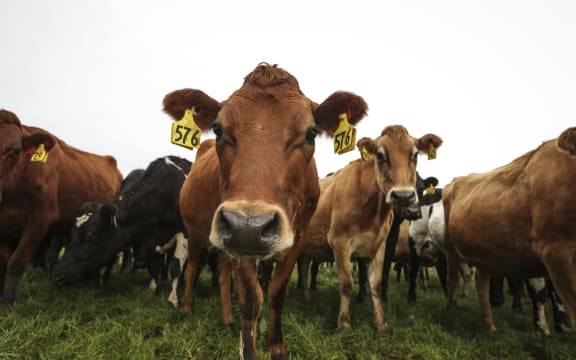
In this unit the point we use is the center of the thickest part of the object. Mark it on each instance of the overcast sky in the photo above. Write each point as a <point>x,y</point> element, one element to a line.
<point>493,78</point>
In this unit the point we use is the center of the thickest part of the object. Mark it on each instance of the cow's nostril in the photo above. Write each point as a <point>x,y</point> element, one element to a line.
<point>271,230</point>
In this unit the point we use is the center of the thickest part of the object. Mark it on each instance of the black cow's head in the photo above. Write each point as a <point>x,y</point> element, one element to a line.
<point>86,253</point>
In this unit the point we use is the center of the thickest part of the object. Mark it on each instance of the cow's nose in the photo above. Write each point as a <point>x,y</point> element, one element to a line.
<point>403,198</point>
<point>248,235</point>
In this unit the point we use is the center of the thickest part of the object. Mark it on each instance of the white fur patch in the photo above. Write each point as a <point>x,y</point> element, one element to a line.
<point>167,161</point>
<point>82,219</point>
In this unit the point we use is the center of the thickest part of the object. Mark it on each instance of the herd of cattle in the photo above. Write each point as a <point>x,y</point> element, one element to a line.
<point>252,202</point>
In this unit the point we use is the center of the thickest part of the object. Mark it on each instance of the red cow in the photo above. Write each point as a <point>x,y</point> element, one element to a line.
<point>252,191</point>
<point>530,233</point>
<point>43,181</point>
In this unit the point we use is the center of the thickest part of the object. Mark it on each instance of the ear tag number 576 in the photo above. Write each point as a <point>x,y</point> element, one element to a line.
<point>185,132</point>
<point>345,136</point>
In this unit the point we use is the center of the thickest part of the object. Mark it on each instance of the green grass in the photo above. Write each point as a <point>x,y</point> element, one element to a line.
<point>124,321</point>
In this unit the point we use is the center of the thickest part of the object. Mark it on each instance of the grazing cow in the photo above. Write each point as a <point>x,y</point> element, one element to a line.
<point>78,240</point>
<point>143,214</point>
<point>43,181</point>
<point>355,211</point>
<point>252,190</point>
<point>530,233</point>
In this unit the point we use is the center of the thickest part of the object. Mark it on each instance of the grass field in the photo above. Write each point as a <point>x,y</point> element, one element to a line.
<point>124,321</point>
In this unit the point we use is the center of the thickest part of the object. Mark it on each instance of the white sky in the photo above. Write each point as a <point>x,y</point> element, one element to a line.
<point>493,78</point>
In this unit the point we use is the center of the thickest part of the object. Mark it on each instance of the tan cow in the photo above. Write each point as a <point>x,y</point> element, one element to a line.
<point>354,212</point>
<point>252,190</point>
<point>517,221</point>
<point>43,181</point>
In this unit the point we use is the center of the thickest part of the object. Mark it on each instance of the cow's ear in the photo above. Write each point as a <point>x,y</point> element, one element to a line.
<point>206,109</point>
<point>327,114</point>
<point>108,215</point>
<point>32,141</point>
<point>367,144</point>
<point>428,143</point>
<point>566,142</point>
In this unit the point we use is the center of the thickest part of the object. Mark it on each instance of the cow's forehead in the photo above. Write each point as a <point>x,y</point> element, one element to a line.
<point>396,142</point>
<point>291,114</point>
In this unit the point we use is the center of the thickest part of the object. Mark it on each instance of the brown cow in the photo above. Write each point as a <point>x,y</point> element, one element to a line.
<point>530,232</point>
<point>355,211</point>
<point>39,198</point>
<point>252,191</point>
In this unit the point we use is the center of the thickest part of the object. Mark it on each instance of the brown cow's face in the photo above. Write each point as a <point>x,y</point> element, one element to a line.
<point>264,166</point>
<point>395,155</point>
<point>265,145</point>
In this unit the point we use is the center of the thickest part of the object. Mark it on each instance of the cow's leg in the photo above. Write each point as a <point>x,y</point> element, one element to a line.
<point>314,268</point>
<point>375,280</point>
<point>452,277</point>
<point>363,279</point>
<point>21,257</point>
<point>561,319</point>
<point>442,271</point>
<point>345,280</point>
<point>516,288</point>
<point>560,265</point>
<point>277,293</point>
<point>537,294</point>
<point>5,254</point>
<point>225,269</point>
<point>265,269</point>
<point>466,273</point>
<point>413,271</point>
<point>192,268</point>
<point>303,271</point>
<point>496,291</point>
<point>389,254</point>
<point>250,304</point>
<point>483,289</point>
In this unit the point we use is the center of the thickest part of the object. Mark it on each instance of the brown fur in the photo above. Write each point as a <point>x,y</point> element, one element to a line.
<point>39,199</point>
<point>515,221</point>
<point>354,213</point>
<point>261,164</point>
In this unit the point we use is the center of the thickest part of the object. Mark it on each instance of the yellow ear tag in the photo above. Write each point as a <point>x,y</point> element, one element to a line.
<point>430,190</point>
<point>40,155</point>
<point>365,154</point>
<point>345,136</point>
<point>432,152</point>
<point>185,132</point>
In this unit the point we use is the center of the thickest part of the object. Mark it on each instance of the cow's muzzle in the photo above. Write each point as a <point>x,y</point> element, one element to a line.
<point>402,198</point>
<point>250,232</point>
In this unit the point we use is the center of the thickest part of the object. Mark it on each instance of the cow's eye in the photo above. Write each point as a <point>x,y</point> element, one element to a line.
<point>17,151</point>
<point>217,129</point>
<point>311,134</point>
<point>414,157</point>
<point>381,156</point>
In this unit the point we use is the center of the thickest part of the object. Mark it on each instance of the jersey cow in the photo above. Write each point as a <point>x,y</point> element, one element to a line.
<point>252,190</point>
<point>144,214</point>
<point>355,211</point>
<point>43,181</point>
<point>532,231</point>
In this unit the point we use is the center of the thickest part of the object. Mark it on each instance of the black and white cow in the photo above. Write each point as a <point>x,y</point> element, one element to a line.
<point>144,214</point>
<point>539,290</point>
<point>426,236</point>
